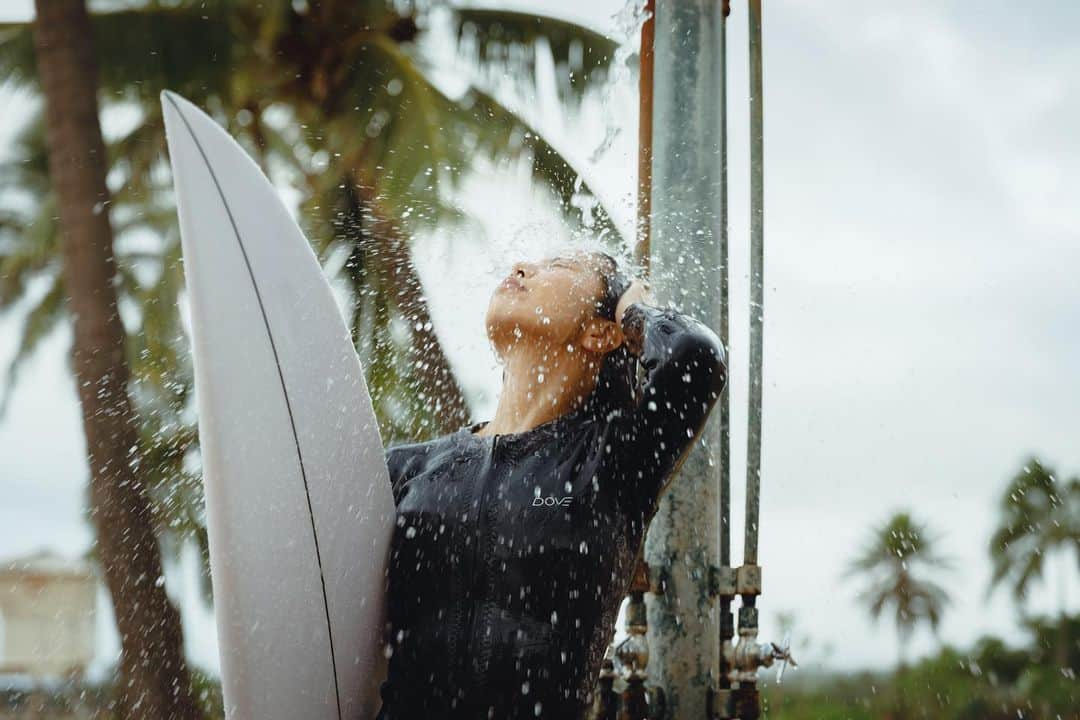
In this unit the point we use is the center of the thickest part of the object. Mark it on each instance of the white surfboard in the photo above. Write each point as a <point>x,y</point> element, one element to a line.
<point>298,500</point>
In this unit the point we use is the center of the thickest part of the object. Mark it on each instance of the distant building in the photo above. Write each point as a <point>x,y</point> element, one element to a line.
<point>47,607</point>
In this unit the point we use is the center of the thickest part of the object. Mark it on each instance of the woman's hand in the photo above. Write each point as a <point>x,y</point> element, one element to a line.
<point>637,292</point>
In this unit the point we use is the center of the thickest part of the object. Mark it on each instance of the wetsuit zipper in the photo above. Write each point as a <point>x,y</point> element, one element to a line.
<point>459,610</point>
<point>467,627</point>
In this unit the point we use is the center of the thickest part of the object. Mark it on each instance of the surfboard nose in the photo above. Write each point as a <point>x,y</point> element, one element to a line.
<point>170,109</point>
<point>169,99</point>
<point>174,100</point>
<point>176,107</point>
<point>186,124</point>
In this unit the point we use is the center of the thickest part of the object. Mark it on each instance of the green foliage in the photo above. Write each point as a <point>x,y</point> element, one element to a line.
<point>990,682</point>
<point>581,56</point>
<point>1050,635</point>
<point>207,690</point>
<point>1001,664</point>
<point>76,699</point>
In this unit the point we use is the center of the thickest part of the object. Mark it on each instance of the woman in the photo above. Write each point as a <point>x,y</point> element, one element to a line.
<point>516,537</point>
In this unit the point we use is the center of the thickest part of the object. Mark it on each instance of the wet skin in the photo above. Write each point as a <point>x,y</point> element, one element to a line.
<point>542,324</point>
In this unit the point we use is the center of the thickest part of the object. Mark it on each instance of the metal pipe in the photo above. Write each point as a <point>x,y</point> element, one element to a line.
<point>722,310</point>
<point>682,543</point>
<point>645,142</point>
<point>757,286</point>
<point>726,619</point>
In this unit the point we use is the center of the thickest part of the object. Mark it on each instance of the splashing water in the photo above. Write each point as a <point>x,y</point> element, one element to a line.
<point>628,21</point>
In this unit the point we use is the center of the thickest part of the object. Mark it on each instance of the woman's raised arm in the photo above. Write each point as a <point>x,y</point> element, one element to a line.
<point>685,372</point>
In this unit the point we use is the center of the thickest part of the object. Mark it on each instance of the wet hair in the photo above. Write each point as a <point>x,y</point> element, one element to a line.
<point>615,283</point>
<point>615,384</point>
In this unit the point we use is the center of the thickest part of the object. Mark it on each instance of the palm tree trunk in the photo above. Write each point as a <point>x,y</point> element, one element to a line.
<point>429,360</point>
<point>901,675</point>
<point>153,681</point>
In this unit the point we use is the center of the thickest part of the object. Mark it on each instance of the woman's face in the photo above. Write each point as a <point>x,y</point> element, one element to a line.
<point>550,300</point>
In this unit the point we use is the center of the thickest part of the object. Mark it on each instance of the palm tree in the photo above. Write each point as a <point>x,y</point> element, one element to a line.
<point>1038,516</point>
<point>890,561</point>
<point>153,673</point>
<point>389,142</point>
<point>339,99</point>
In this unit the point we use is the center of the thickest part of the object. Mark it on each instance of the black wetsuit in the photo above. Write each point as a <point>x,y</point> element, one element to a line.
<point>511,553</point>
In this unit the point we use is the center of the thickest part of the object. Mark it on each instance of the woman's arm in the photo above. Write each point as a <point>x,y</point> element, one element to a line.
<point>685,373</point>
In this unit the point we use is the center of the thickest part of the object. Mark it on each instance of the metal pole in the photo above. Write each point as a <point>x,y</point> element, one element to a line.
<point>757,285</point>
<point>748,654</point>
<point>725,590</point>
<point>686,233</point>
<point>722,310</point>
<point>645,142</point>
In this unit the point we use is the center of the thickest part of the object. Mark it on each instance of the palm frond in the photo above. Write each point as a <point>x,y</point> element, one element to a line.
<point>141,51</point>
<point>582,56</point>
<point>31,249</point>
<point>891,561</point>
<point>39,322</point>
<point>17,53</point>
<point>1037,517</point>
<point>499,131</point>
<point>26,170</point>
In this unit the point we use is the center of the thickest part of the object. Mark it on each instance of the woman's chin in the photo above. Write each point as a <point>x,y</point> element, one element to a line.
<point>510,330</point>
<point>505,312</point>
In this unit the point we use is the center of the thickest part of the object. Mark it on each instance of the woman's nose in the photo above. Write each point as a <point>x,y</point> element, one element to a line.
<point>520,269</point>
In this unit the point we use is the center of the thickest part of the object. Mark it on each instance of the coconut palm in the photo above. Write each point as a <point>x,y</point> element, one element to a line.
<point>1039,515</point>
<point>154,679</point>
<point>389,141</point>
<point>338,99</point>
<point>388,144</point>
<point>149,281</point>
<point>891,562</point>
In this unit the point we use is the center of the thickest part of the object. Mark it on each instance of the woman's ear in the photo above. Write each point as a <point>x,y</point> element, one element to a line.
<point>600,335</point>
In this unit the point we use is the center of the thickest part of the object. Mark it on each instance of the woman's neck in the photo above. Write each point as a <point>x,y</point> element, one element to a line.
<point>540,384</point>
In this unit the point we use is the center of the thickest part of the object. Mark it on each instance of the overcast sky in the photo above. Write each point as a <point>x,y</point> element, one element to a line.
<point>922,306</point>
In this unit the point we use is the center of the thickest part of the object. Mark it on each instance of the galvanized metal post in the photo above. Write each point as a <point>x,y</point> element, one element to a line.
<point>645,137</point>
<point>725,401</point>
<point>687,267</point>
<point>748,655</point>
<point>757,283</point>
<point>718,697</point>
